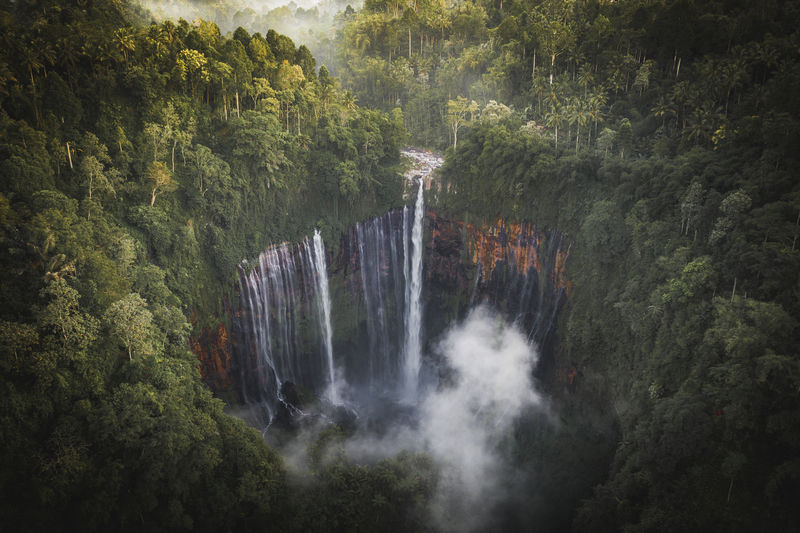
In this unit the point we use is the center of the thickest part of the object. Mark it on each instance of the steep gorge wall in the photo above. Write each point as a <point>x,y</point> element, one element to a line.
<point>515,268</point>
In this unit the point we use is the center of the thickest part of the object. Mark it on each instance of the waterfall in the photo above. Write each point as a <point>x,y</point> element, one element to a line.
<point>390,251</point>
<point>324,309</point>
<point>413,315</point>
<point>520,271</point>
<point>382,297</point>
<point>285,290</point>
<point>283,327</point>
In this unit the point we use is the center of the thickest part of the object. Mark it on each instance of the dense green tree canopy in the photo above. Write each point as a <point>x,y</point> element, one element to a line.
<point>678,199</point>
<point>142,160</point>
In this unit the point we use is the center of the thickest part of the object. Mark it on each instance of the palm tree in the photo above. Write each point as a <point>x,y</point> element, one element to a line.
<point>664,108</point>
<point>32,59</point>
<point>734,73</point>
<point>539,83</point>
<point>170,32</point>
<point>105,55</point>
<point>554,118</point>
<point>578,115</point>
<point>682,94</point>
<point>219,72</point>
<point>585,78</point>
<point>596,104</point>
<point>125,42</point>
<point>326,94</point>
<point>156,41</point>
<point>47,53</point>
<point>569,116</point>
<point>349,101</point>
<point>69,50</point>
<point>767,56</point>
<point>553,100</point>
<point>701,124</point>
<point>617,77</point>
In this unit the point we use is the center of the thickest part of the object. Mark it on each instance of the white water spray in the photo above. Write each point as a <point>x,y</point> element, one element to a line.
<point>413,344</point>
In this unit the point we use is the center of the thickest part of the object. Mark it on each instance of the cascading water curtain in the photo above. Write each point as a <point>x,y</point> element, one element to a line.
<point>413,318</point>
<point>288,286</point>
<point>286,325</point>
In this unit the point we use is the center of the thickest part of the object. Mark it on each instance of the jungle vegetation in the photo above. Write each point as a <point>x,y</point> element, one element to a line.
<point>142,160</point>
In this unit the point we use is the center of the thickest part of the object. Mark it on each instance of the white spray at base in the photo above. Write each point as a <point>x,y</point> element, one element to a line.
<point>463,424</point>
<point>413,318</point>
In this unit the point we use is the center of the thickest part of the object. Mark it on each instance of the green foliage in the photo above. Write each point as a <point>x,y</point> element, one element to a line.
<point>258,145</point>
<point>457,111</point>
<point>141,162</point>
<point>680,200</point>
<point>567,60</point>
<point>390,495</point>
<point>683,256</point>
<point>129,321</point>
<point>159,180</point>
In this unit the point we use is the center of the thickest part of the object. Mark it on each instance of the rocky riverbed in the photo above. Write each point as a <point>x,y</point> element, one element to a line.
<point>424,164</point>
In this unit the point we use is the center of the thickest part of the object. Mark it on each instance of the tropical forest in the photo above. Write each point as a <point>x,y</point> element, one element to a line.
<point>399,265</point>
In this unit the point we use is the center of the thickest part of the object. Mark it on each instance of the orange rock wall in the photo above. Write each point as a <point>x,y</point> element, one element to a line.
<point>213,348</point>
<point>489,244</point>
<point>449,243</point>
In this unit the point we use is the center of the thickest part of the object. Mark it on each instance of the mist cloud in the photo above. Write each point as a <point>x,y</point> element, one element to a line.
<point>256,15</point>
<point>462,425</point>
<point>488,366</point>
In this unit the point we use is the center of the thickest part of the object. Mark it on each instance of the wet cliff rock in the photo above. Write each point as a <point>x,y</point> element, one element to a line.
<point>213,348</point>
<point>516,268</point>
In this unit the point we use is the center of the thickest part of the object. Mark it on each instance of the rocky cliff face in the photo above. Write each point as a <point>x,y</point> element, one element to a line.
<point>214,350</point>
<point>515,268</point>
<point>491,249</point>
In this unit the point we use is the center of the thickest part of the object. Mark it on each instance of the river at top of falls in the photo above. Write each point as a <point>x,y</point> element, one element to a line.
<point>423,165</point>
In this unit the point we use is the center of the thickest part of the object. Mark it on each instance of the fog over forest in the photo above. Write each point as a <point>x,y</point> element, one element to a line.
<point>313,23</point>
